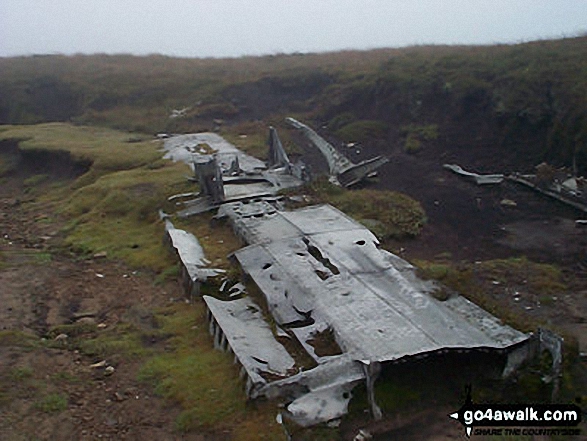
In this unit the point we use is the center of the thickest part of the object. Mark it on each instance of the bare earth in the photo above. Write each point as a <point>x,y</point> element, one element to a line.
<point>38,292</point>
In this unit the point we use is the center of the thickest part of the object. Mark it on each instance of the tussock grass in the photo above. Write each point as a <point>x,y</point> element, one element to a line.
<point>113,207</point>
<point>362,131</point>
<point>52,403</point>
<point>469,279</point>
<point>203,380</point>
<point>387,213</point>
<point>193,374</point>
<point>107,149</point>
<point>416,135</point>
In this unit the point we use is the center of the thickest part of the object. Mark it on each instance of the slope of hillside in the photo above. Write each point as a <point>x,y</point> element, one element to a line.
<point>526,101</point>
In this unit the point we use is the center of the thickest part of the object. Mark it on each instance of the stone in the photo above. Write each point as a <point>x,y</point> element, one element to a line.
<point>508,203</point>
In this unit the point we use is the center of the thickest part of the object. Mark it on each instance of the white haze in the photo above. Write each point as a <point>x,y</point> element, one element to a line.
<point>229,28</point>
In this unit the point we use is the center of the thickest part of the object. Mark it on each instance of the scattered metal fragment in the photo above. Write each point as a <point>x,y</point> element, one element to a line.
<point>238,326</point>
<point>194,266</point>
<point>99,364</point>
<point>229,174</point>
<point>478,179</point>
<point>342,171</point>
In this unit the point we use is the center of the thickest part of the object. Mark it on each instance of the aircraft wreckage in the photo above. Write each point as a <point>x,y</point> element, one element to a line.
<point>321,276</point>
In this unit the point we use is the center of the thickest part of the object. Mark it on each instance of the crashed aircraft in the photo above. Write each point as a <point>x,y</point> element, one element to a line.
<point>341,308</point>
<point>225,173</point>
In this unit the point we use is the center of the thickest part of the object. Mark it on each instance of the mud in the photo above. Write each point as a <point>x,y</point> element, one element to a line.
<point>42,286</point>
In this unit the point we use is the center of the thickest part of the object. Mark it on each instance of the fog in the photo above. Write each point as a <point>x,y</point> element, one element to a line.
<point>229,28</point>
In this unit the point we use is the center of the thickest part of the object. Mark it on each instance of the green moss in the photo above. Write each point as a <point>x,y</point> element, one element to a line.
<point>123,340</point>
<point>417,135</point>
<point>52,403</point>
<point>19,339</point>
<point>183,375</point>
<point>20,374</point>
<point>387,214</point>
<point>362,131</point>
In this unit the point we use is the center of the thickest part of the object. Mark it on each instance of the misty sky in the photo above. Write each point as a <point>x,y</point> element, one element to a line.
<point>221,28</point>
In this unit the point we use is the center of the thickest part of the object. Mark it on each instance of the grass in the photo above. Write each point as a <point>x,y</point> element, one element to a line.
<point>19,374</point>
<point>122,341</point>
<point>471,280</point>
<point>182,374</point>
<point>52,403</point>
<point>362,131</point>
<point>252,136</point>
<point>417,135</point>
<point>113,206</point>
<point>35,180</point>
<point>19,339</point>
<point>387,213</point>
<point>107,149</point>
<point>541,279</point>
<point>392,87</point>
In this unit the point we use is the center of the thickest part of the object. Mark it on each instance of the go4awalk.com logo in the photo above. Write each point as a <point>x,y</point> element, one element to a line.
<point>518,419</point>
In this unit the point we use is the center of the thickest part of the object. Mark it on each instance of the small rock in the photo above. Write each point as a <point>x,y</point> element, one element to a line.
<point>79,315</point>
<point>118,396</point>
<point>101,325</point>
<point>363,435</point>
<point>86,321</point>
<point>101,276</point>
<point>109,370</point>
<point>508,203</point>
<point>101,255</point>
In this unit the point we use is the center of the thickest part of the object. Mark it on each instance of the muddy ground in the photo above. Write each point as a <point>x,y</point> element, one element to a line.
<point>42,286</point>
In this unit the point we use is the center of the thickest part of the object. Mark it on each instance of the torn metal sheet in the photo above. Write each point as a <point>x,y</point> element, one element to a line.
<point>193,263</point>
<point>190,253</point>
<point>241,325</point>
<point>227,174</point>
<point>342,170</point>
<point>277,156</point>
<point>324,404</point>
<point>478,179</point>
<point>183,147</point>
<point>317,261</point>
